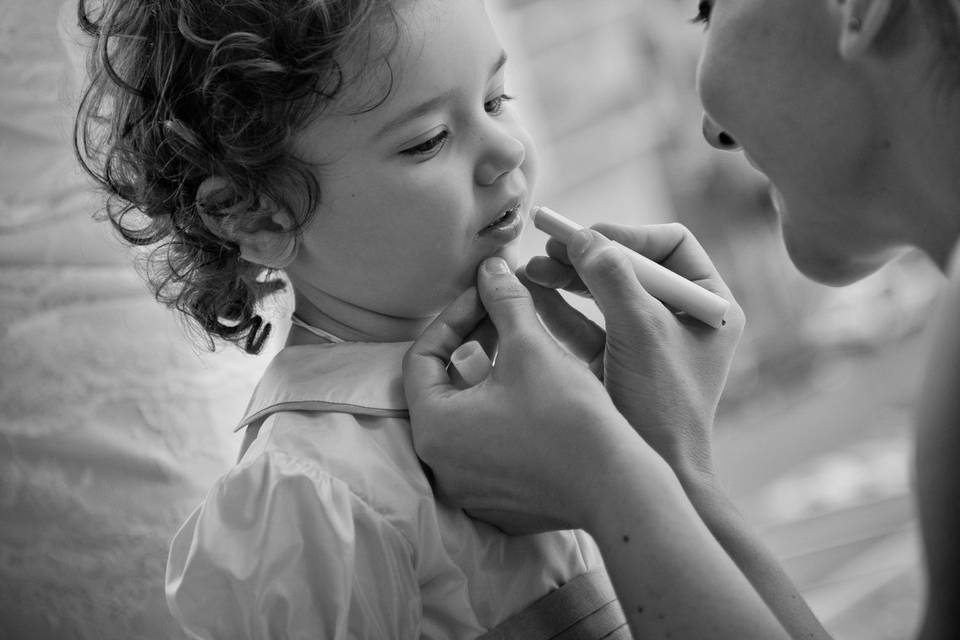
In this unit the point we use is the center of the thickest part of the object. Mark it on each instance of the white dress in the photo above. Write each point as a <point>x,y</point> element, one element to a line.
<point>327,527</point>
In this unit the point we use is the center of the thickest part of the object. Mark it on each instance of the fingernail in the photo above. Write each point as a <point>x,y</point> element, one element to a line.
<point>464,352</point>
<point>579,242</point>
<point>497,266</point>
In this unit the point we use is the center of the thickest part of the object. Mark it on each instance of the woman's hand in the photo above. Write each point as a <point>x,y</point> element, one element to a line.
<point>664,371</point>
<point>528,447</point>
<point>538,444</point>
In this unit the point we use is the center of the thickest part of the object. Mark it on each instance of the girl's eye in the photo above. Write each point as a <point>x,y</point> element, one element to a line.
<point>495,107</point>
<point>430,146</point>
<point>703,12</point>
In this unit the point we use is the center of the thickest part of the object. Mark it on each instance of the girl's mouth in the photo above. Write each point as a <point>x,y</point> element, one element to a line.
<point>505,219</point>
<point>505,228</point>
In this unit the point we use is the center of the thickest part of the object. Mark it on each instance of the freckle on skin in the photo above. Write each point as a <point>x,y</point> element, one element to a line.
<point>626,538</point>
<point>639,609</point>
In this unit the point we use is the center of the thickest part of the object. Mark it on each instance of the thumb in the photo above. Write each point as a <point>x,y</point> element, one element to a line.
<point>607,273</point>
<point>425,363</point>
<point>507,301</point>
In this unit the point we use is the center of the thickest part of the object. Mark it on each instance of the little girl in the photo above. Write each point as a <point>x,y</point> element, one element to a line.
<point>363,152</point>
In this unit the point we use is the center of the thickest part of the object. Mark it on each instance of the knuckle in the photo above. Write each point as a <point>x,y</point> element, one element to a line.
<point>613,231</point>
<point>655,321</point>
<point>507,288</point>
<point>604,259</point>
<point>678,228</point>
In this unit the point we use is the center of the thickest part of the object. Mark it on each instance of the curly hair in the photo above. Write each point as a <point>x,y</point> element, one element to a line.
<point>184,90</point>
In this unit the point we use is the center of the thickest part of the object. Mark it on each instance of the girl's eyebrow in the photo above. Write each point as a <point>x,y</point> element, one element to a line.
<point>431,104</point>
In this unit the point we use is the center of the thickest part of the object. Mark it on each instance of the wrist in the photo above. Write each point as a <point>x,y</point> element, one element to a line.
<point>696,477</point>
<point>707,495</point>
<point>632,479</point>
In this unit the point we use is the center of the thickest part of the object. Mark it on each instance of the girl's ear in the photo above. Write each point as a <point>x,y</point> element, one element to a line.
<point>266,235</point>
<point>862,22</point>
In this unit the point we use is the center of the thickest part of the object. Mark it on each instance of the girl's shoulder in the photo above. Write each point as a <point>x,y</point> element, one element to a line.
<point>330,456</point>
<point>366,453</point>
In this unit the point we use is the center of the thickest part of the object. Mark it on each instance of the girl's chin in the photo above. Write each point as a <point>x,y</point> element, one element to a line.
<point>510,253</point>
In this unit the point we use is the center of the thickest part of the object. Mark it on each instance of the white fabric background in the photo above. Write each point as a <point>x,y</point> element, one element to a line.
<point>111,424</point>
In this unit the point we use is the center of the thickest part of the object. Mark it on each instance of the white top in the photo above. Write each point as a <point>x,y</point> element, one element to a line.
<point>327,528</point>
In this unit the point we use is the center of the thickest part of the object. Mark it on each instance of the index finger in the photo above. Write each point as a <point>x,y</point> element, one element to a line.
<point>425,363</point>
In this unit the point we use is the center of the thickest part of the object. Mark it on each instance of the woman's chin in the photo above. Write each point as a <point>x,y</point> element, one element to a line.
<point>835,269</point>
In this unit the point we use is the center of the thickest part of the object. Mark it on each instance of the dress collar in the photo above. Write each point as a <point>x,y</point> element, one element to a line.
<point>352,377</point>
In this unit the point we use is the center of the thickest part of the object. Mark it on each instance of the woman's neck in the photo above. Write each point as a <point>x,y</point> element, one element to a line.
<point>929,206</point>
<point>923,124</point>
<point>348,321</point>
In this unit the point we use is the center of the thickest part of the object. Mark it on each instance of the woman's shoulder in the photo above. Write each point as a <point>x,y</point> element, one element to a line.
<point>953,269</point>
<point>945,312</point>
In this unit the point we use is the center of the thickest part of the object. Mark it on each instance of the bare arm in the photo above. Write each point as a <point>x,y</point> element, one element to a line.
<point>524,450</point>
<point>670,573</point>
<point>741,541</point>
<point>667,384</point>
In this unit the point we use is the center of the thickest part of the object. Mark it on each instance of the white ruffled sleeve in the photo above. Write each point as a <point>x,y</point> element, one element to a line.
<point>279,549</point>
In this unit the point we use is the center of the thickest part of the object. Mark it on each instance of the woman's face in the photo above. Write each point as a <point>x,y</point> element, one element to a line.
<point>771,77</point>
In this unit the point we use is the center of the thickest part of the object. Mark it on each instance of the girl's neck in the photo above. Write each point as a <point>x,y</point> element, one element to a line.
<point>347,321</point>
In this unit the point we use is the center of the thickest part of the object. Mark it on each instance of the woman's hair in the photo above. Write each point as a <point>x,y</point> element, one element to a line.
<point>185,90</point>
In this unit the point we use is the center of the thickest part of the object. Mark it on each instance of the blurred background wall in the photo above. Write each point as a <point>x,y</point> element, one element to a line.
<point>112,425</point>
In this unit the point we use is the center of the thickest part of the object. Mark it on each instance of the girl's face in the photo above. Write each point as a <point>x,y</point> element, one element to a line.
<point>771,77</point>
<point>418,190</point>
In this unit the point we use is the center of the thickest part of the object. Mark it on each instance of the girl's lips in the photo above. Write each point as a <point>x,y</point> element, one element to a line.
<point>506,228</point>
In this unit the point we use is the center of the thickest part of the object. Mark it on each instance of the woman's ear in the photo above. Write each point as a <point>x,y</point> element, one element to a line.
<point>266,234</point>
<point>862,23</point>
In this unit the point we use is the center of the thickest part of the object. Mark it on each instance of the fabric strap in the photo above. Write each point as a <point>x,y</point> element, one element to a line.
<point>317,331</point>
<point>585,608</point>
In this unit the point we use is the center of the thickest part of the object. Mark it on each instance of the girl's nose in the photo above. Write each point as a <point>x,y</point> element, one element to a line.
<point>717,137</point>
<point>502,153</point>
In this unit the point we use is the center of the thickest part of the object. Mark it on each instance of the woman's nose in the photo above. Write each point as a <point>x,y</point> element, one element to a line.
<point>717,137</point>
<point>502,153</point>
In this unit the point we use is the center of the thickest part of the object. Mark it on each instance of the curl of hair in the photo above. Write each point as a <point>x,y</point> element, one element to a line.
<point>183,90</point>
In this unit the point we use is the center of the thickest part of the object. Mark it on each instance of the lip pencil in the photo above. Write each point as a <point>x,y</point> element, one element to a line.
<point>663,284</point>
